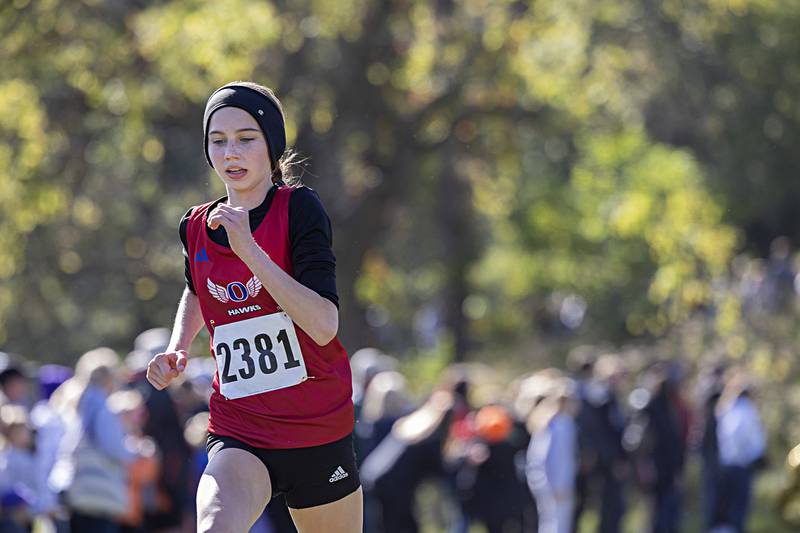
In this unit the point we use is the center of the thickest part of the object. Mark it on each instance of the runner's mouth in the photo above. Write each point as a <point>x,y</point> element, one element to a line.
<point>236,173</point>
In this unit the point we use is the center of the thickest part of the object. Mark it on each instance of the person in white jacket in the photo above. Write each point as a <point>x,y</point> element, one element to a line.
<point>552,458</point>
<point>742,443</point>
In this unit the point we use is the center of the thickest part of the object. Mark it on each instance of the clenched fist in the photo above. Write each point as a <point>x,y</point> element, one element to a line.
<point>236,221</point>
<point>165,367</point>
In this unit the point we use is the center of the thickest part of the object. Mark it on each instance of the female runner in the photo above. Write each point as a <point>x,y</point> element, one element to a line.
<point>260,276</point>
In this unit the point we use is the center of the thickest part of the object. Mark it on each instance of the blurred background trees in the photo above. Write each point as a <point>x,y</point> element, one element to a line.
<point>495,171</point>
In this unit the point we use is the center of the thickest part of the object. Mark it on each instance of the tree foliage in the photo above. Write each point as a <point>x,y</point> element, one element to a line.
<point>488,166</point>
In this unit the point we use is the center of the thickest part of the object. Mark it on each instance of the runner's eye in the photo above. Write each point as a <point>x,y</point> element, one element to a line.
<point>217,141</point>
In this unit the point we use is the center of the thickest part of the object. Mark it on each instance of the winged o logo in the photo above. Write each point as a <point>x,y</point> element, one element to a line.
<point>235,291</point>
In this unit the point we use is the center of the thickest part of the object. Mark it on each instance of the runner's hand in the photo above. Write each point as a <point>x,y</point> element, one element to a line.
<point>165,367</point>
<point>236,221</point>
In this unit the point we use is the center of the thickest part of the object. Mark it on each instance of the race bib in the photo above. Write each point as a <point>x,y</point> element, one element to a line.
<point>258,355</point>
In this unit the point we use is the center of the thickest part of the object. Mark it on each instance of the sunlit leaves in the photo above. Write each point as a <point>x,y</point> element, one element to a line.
<point>552,55</point>
<point>22,125</point>
<point>631,209</point>
<point>332,19</point>
<point>656,195</point>
<point>198,44</point>
<point>25,200</point>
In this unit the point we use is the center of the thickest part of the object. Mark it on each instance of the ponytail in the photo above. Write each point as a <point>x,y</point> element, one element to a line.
<point>285,173</point>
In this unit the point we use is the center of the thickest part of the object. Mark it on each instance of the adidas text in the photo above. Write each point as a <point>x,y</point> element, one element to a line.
<point>339,474</point>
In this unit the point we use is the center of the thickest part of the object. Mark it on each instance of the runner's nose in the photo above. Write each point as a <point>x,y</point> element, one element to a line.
<point>231,152</point>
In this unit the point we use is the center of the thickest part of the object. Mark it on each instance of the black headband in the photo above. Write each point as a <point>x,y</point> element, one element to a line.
<point>262,108</point>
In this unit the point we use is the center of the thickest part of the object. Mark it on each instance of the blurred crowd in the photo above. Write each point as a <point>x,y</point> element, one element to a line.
<point>97,449</point>
<point>536,454</point>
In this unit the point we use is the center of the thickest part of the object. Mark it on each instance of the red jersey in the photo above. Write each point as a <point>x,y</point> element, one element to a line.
<point>316,411</point>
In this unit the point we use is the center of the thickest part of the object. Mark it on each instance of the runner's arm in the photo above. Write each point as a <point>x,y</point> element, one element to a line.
<point>315,315</point>
<point>188,322</point>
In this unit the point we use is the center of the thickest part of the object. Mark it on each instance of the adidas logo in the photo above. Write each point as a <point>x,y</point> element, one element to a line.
<point>337,475</point>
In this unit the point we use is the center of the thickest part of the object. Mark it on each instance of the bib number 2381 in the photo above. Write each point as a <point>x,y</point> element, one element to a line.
<point>258,355</point>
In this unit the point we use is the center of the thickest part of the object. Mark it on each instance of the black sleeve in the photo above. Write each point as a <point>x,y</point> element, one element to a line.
<point>187,273</point>
<point>311,244</point>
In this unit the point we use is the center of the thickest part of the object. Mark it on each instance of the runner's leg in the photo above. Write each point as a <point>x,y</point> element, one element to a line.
<point>233,491</point>
<point>342,516</point>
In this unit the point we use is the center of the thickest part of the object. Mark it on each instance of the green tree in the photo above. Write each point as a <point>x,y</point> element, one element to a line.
<point>481,161</point>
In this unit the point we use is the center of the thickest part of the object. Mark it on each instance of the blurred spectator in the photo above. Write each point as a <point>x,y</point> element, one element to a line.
<point>17,466</point>
<point>165,427</point>
<point>742,444</point>
<point>478,456</point>
<point>410,453</point>
<point>14,386</point>
<point>580,364</point>
<point>552,457</point>
<point>657,438</point>
<point>606,424</point>
<point>751,274</point>
<point>532,391</point>
<point>385,401</point>
<point>50,430</point>
<point>365,364</point>
<point>93,458</point>
<point>188,398</point>
<point>144,469</point>
<point>489,484</point>
<point>777,287</point>
<point>710,385</point>
<point>195,432</point>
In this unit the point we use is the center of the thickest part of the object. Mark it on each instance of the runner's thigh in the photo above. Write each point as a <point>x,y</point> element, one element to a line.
<point>233,491</point>
<point>342,516</point>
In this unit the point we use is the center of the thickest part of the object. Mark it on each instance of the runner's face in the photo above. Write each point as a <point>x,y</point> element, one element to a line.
<point>238,149</point>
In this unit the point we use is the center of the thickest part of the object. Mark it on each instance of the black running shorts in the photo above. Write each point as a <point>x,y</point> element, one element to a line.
<point>306,476</point>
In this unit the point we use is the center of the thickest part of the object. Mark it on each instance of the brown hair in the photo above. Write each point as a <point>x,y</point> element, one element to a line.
<point>286,171</point>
